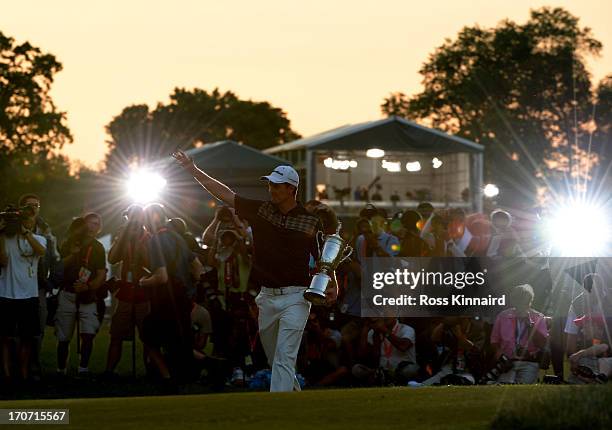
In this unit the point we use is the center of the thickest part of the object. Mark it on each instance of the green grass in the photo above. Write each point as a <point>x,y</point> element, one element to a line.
<point>508,407</point>
<point>125,405</point>
<point>578,407</point>
<point>97,363</point>
<point>354,409</point>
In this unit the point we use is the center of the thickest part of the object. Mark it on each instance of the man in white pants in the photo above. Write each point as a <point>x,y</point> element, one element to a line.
<point>284,238</point>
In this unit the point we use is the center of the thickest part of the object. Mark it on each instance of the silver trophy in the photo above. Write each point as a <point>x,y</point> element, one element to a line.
<point>335,251</point>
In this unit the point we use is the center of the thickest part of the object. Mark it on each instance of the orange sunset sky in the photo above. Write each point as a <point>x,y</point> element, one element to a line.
<point>326,63</point>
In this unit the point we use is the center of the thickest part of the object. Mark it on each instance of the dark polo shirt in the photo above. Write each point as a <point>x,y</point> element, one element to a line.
<point>283,242</point>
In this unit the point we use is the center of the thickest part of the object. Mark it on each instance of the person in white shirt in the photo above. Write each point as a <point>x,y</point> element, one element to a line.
<point>587,324</point>
<point>392,345</point>
<point>20,252</point>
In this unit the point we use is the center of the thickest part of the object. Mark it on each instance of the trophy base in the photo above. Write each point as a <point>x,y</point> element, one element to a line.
<point>314,297</point>
<point>316,293</point>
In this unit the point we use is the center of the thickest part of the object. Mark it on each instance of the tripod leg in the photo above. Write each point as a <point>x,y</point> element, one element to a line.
<point>134,340</point>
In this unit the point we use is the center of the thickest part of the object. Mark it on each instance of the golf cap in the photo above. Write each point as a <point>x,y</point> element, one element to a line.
<point>283,175</point>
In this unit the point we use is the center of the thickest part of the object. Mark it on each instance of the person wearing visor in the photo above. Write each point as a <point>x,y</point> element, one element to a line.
<point>284,238</point>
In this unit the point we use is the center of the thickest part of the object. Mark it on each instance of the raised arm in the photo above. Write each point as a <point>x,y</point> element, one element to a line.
<point>214,187</point>
<point>38,248</point>
<point>117,251</point>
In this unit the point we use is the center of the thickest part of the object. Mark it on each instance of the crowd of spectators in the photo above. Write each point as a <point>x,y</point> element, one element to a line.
<point>191,303</point>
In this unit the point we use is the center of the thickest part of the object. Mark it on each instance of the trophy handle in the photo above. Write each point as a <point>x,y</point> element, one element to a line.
<point>347,252</point>
<point>320,241</point>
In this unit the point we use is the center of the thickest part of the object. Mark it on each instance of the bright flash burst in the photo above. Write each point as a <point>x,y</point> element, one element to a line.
<point>579,230</point>
<point>145,186</point>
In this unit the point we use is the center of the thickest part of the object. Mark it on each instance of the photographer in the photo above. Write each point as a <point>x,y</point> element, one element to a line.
<point>84,263</point>
<point>179,226</point>
<point>375,241</point>
<point>129,249</point>
<point>168,325</point>
<point>437,235</point>
<point>594,299</point>
<point>388,348</point>
<point>520,333</point>
<point>504,241</point>
<point>322,359</point>
<point>593,364</point>
<point>20,254</point>
<point>202,328</point>
<point>412,245</point>
<point>46,266</point>
<point>226,219</point>
<point>229,255</point>
<point>457,341</point>
<point>587,328</point>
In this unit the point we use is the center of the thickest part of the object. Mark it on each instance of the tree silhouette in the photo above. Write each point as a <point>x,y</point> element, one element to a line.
<point>521,90</point>
<point>29,120</point>
<point>31,131</point>
<point>193,118</point>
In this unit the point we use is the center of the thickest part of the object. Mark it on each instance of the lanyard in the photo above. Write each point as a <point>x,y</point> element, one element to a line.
<point>21,251</point>
<point>519,330</point>
<point>29,258</point>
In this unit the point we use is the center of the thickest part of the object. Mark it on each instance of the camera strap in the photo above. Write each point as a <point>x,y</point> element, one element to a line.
<point>519,332</point>
<point>30,258</point>
<point>84,270</point>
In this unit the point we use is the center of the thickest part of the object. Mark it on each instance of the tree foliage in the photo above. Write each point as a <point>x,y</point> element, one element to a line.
<point>32,130</point>
<point>522,90</point>
<point>29,120</point>
<point>193,118</point>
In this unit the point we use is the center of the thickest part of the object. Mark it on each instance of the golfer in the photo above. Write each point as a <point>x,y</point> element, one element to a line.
<point>284,238</point>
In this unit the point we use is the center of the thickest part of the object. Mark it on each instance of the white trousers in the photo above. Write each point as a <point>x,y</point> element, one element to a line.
<point>283,313</point>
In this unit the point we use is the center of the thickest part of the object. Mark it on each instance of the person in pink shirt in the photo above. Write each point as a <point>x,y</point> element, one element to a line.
<point>520,333</point>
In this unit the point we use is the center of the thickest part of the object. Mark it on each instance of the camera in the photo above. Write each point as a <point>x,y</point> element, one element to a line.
<point>502,365</point>
<point>227,237</point>
<point>227,231</point>
<point>225,215</point>
<point>368,212</point>
<point>586,372</point>
<point>13,216</point>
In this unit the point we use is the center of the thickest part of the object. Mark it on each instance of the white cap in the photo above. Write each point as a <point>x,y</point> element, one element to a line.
<point>283,175</point>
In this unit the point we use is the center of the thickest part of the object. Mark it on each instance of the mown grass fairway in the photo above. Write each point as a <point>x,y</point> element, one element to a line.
<point>353,409</point>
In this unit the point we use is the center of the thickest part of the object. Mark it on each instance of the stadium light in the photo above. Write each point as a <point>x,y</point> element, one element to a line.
<point>144,186</point>
<point>491,190</point>
<point>392,166</point>
<point>331,163</point>
<point>413,166</point>
<point>375,153</point>
<point>436,162</point>
<point>578,230</point>
<point>341,164</point>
